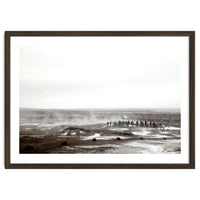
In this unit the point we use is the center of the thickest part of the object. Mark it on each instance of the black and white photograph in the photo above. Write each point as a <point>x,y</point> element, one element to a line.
<point>101,95</point>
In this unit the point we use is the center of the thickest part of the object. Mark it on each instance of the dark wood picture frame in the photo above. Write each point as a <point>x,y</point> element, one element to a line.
<point>190,34</point>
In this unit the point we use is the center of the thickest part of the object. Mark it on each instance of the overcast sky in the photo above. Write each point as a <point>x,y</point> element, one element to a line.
<point>101,72</point>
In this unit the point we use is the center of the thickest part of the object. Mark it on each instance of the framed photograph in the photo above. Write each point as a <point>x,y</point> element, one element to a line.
<point>100,99</point>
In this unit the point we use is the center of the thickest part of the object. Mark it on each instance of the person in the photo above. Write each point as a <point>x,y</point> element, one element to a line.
<point>110,123</point>
<point>155,124</point>
<point>125,122</point>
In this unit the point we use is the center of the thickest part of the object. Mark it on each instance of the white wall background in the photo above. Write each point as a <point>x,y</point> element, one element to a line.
<point>99,15</point>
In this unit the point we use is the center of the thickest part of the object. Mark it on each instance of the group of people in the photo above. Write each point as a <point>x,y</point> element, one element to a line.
<point>137,122</point>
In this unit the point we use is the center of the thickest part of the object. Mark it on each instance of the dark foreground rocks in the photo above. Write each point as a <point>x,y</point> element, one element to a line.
<point>29,148</point>
<point>64,143</point>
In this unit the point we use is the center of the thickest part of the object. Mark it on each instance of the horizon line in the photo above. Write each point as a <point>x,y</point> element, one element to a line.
<point>102,108</point>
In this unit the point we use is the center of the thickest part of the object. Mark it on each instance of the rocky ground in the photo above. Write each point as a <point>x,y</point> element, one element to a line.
<point>99,138</point>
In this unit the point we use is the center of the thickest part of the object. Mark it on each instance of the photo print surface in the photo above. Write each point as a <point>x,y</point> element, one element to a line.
<point>100,95</point>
